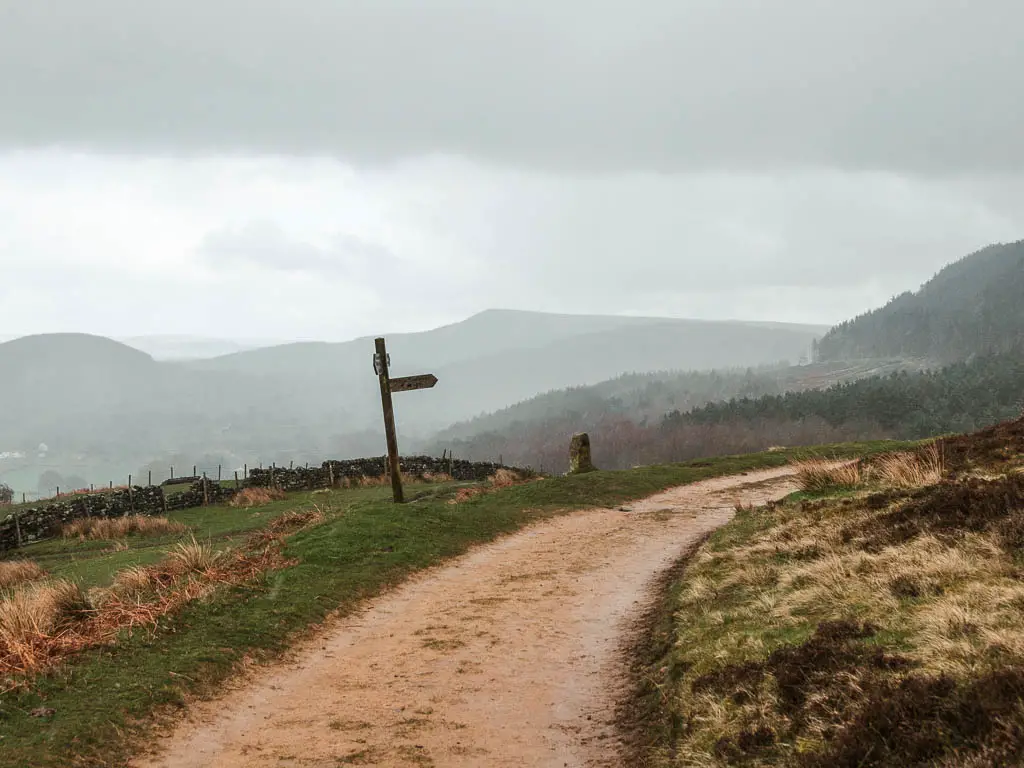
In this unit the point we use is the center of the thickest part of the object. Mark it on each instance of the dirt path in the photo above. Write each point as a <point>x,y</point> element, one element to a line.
<point>504,657</point>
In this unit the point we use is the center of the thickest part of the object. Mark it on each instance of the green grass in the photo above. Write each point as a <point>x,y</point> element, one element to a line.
<point>105,698</point>
<point>94,563</point>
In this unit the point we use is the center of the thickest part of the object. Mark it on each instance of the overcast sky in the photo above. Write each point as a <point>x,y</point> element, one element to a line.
<point>329,168</point>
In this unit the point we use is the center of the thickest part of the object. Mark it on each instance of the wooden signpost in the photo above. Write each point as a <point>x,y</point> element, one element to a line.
<point>388,385</point>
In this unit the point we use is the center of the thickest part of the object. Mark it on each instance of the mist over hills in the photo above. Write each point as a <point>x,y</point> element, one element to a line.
<point>104,409</point>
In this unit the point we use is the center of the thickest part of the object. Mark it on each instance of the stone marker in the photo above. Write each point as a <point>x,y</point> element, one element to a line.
<point>579,454</point>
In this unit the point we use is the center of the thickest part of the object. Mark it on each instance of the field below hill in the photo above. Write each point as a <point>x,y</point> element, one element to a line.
<point>127,629</point>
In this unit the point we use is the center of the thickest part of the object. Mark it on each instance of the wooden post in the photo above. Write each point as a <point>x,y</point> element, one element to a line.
<point>149,482</point>
<point>236,479</point>
<point>218,473</point>
<point>172,473</point>
<point>330,475</point>
<point>245,471</point>
<point>194,472</point>
<point>389,422</point>
<point>163,499</point>
<point>111,485</point>
<point>291,465</point>
<point>58,490</point>
<point>206,496</point>
<point>131,496</point>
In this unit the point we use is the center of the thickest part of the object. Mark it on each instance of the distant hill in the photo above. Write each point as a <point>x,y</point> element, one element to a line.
<point>487,333</point>
<point>503,356</point>
<point>960,397</point>
<point>536,431</point>
<point>105,409</point>
<point>970,307</point>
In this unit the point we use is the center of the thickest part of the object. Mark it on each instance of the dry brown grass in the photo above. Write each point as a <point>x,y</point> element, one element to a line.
<point>504,478</point>
<point>104,528</point>
<point>193,557</point>
<point>32,615</point>
<point>14,572</point>
<point>911,469</point>
<point>296,519</point>
<point>136,581</point>
<point>931,581</point>
<point>42,624</point>
<point>256,497</point>
<point>815,475</point>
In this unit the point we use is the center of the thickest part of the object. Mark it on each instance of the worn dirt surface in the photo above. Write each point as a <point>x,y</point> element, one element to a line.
<point>507,656</point>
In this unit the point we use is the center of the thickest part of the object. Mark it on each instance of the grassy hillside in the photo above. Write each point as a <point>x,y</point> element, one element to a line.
<point>970,307</point>
<point>314,553</point>
<point>863,624</point>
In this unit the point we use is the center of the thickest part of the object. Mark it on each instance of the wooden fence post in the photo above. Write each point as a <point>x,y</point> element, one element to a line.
<point>163,499</point>
<point>149,482</point>
<point>330,475</point>
<point>218,473</point>
<point>236,479</point>
<point>206,496</point>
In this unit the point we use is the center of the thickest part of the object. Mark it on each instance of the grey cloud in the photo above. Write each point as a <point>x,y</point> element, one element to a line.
<point>263,244</point>
<point>918,86</point>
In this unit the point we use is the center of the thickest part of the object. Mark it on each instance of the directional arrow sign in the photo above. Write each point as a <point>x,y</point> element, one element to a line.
<point>408,383</point>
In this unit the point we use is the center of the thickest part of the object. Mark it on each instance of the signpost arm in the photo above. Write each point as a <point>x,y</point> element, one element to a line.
<point>389,422</point>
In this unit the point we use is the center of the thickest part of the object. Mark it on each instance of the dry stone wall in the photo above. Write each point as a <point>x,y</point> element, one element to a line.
<point>332,472</point>
<point>45,520</point>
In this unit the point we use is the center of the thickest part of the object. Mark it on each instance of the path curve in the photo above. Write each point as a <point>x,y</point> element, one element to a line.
<point>506,656</point>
